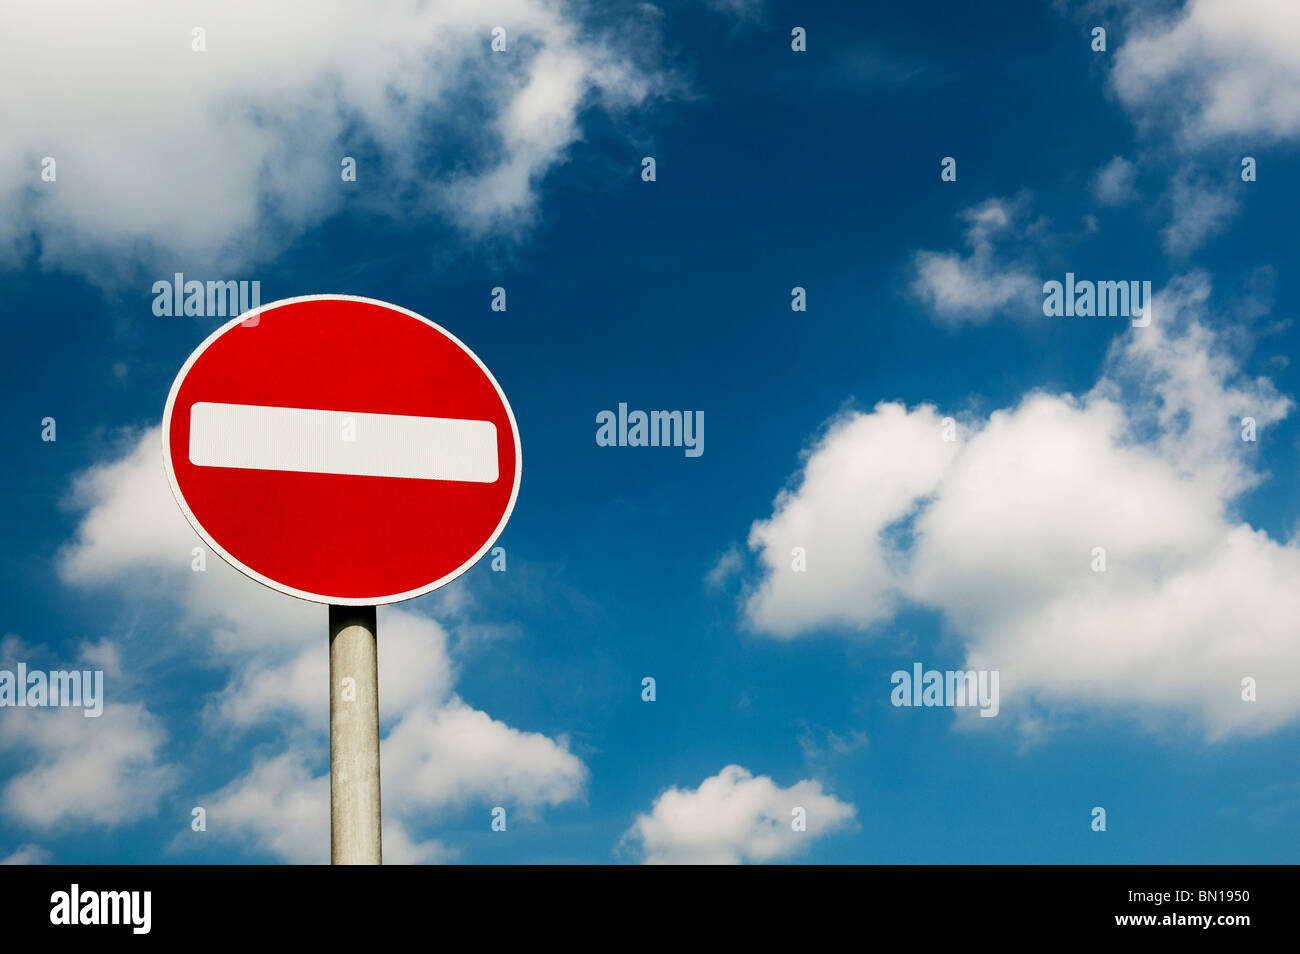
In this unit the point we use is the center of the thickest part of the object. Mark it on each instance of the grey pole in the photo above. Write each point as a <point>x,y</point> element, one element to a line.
<point>354,737</point>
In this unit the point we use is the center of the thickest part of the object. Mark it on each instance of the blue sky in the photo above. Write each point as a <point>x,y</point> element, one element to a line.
<point>774,169</point>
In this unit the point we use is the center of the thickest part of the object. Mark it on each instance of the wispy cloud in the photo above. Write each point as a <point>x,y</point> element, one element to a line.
<point>1201,210</point>
<point>1113,183</point>
<point>223,155</point>
<point>972,288</point>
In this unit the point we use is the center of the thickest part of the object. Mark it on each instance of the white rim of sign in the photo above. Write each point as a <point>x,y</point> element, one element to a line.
<point>274,584</point>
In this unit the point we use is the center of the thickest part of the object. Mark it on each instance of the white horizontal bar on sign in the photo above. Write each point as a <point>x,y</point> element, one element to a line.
<point>254,437</point>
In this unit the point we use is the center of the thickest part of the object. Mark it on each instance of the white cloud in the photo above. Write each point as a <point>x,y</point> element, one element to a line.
<point>67,770</point>
<point>735,817</point>
<point>414,670</point>
<point>731,562</point>
<point>444,757</point>
<point>852,576</point>
<point>1113,183</point>
<point>1221,67</point>
<point>438,755</point>
<point>282,809</point>
<point>279,807</point>
<point>1215,71</point>
<point>973,288</point>
<point>28,855</point>
<point>75,771</point>
<point>996,532</point>
<point>1200,210</point>
<point>219,158</point>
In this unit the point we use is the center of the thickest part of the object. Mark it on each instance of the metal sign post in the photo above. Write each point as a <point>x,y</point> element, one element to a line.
<point>354,737</point>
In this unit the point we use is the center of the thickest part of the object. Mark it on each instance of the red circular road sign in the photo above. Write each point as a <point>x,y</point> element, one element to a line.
<point>341,450</point>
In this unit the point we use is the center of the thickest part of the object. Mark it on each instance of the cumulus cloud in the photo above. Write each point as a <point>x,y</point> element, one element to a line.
<point>996,532</point>
<point>414,670</point>
<point>75,771</point>
<point>439,754</point>
<point>446,756</point>
<point>1217,68</point>
<point>973,288</point>
<point>68,770</point>
<point>278,807</point>
<point>281,808</point>
<point>735,817</point>
<point>852,578</point>
<point>221,157</point>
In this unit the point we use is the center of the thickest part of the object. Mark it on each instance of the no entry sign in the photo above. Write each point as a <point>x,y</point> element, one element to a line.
<point>341,450</point>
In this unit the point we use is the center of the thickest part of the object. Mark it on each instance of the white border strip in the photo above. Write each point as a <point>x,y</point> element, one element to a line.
<point>351,443</point>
